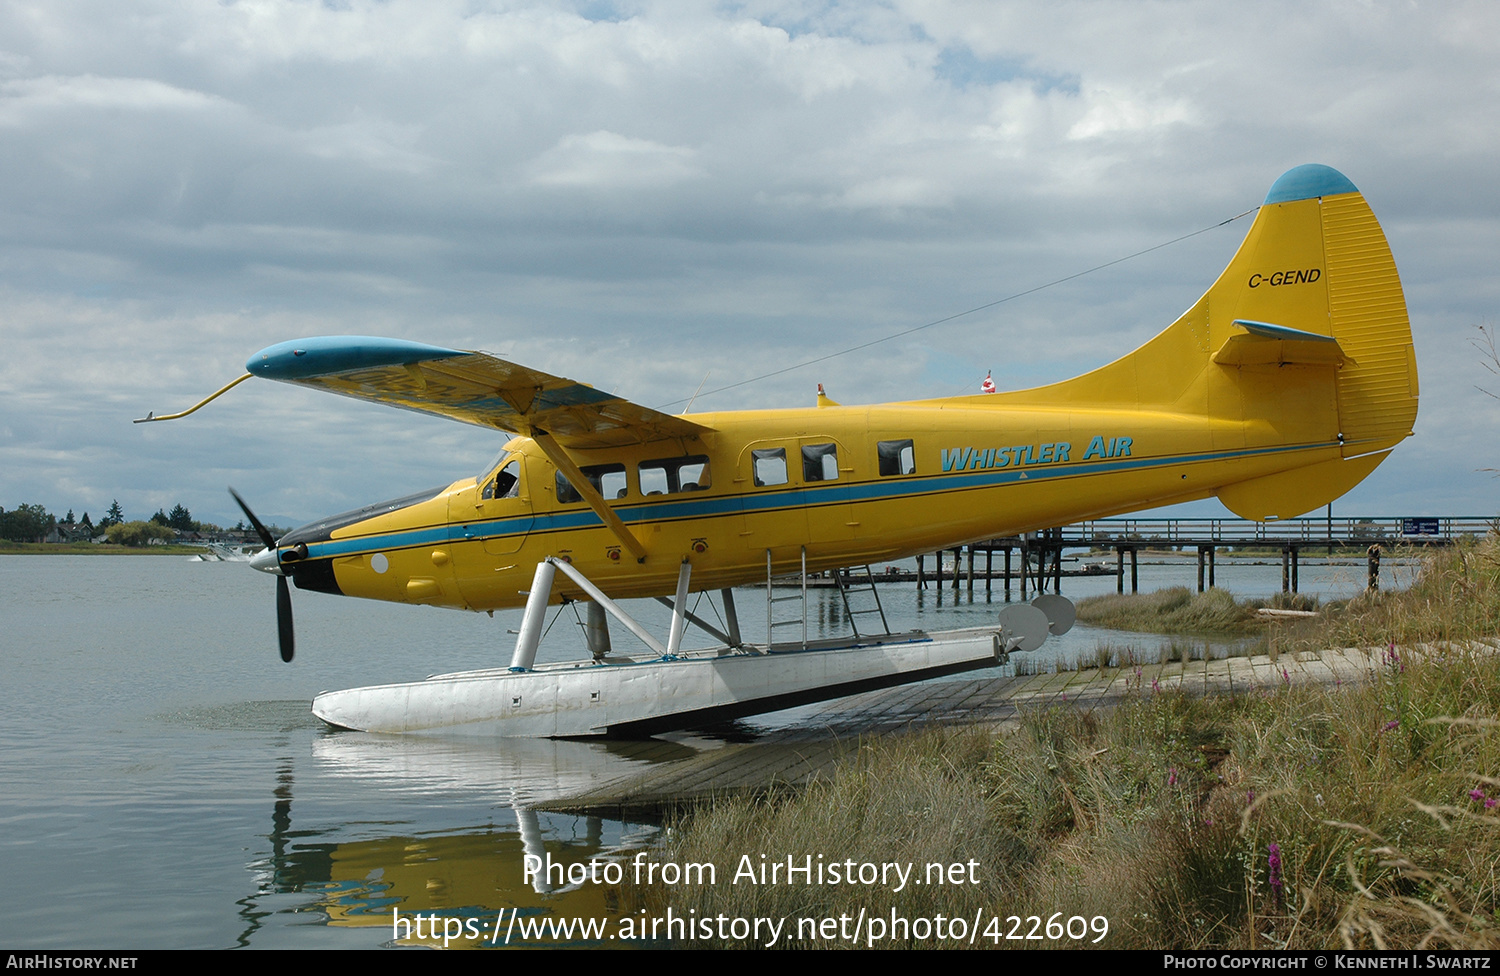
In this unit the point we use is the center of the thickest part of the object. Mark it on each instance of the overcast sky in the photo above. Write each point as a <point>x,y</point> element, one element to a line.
<point>644,195</point>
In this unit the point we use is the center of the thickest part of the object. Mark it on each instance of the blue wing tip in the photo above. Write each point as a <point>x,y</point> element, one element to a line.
<point>324,355</point>
<point>1308,181</point>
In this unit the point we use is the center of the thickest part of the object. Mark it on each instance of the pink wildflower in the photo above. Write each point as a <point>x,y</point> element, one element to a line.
<point>1477,795</point>
<point>1273,864</point>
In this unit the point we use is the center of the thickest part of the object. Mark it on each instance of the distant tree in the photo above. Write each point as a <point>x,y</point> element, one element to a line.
<point>160,518</point>
<point>180,519</point>
<point>68,520</point>
<point>85,523</point>
<point>114,516</point>
<point>26,523</point>
<point>137,533</point>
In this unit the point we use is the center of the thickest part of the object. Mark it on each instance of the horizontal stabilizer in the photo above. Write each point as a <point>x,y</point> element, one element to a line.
<point>1264,344</point>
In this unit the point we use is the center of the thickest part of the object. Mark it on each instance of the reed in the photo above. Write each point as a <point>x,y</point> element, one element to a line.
<point>1175,610</point>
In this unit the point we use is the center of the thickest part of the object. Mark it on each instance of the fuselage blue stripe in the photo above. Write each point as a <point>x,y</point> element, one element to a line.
<point>833,493</point>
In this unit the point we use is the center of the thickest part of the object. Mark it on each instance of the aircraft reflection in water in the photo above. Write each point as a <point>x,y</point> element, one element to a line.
<point>1287,383</point>
<point>464,878</point>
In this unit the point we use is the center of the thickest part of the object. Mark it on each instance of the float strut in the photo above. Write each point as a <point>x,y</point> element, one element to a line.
<point>731,618</point>
<point>596,631</point>
<point>613,608</point>
<point>535,616</point>
<point>703,625</point>
<point>679,609</point>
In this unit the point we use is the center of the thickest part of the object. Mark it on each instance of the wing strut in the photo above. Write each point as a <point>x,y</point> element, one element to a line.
<point>590,494</point>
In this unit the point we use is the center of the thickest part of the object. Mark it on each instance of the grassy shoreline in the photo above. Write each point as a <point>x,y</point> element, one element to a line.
<point>1306,817</point>
<point>94,549</point>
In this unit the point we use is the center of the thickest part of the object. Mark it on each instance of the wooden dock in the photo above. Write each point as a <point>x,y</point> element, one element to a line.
<point>815,744</point>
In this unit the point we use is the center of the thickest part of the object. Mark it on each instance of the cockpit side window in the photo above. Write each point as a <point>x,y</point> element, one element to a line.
<point>608,480</point>
<point>506,483</point>
<point>668,476</point>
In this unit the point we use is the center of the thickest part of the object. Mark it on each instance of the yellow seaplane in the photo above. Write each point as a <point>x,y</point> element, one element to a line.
<point>1281,388</point>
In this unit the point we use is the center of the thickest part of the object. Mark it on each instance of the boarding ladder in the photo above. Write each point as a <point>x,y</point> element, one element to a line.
<point>799,580</point>
<point>859,583</point>
<point>856,589</point>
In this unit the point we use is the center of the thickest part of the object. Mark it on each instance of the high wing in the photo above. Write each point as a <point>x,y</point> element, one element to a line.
<point>472,387</point>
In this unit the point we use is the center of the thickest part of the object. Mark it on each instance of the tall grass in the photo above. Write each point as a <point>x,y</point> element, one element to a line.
<point>1363,816</point>
<point>1175,610</point>
<point>1454,597</point>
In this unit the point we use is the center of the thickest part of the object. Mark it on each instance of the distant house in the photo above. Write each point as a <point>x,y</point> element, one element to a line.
<point>66,532</point>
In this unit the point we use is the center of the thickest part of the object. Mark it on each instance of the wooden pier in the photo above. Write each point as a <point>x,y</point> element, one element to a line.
<point>1040,554</point>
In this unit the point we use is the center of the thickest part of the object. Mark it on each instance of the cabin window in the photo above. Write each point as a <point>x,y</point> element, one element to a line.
<point>506,483</point>
<point>770,466</point>
<point>820,462</point>
<point>612,482</point>
<point>896,457</point>
<point>669,476</point>
<point>608,480</point>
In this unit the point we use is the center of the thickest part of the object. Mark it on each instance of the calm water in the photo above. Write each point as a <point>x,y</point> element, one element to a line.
<point>164,784</point>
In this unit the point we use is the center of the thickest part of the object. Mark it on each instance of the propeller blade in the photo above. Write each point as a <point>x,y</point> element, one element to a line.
<point>260,530</point>
<point>284,633</point>
<point>284,619</point>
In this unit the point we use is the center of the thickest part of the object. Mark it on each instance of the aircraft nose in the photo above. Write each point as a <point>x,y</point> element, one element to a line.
<point>267,562</point>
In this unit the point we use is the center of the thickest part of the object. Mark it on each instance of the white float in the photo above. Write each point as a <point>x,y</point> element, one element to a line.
<point>634,697</point>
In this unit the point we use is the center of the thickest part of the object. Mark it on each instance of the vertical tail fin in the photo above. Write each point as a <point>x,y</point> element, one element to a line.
<point>1315,286</point>
<point>1302,343</point>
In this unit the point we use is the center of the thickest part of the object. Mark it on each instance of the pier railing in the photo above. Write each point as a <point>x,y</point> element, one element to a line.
<point>1420,530</point>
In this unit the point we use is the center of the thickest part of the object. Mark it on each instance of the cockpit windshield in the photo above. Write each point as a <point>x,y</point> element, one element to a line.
<point>484,472</point>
